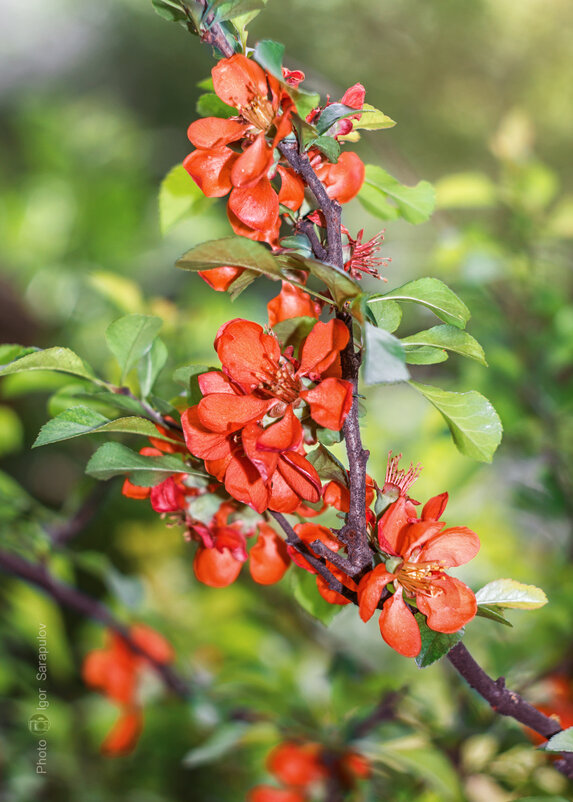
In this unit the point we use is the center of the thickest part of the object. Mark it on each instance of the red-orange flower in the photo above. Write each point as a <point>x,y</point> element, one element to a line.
<point>291,302</point>
<point>115,671</point>
<point>264,108</point>
<point>265,382</point>
<point>417,552</point>
<point>308,533</point>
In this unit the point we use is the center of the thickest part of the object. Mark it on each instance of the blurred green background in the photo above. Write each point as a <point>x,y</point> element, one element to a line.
<point>95,99</point>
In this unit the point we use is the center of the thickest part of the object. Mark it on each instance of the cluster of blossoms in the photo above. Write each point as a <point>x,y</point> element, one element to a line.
<point>116,672</point>
<point>304,768</point>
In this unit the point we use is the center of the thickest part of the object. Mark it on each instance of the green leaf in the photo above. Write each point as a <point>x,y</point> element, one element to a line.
<point>211,105</point>
<point>169,10</point>
<point>231,9</point>
<point>151,365</point>
<point>188,376</point>
<point>509,593</point>
<point>372,119</point>
<point>303,586</point>
<point>448,337</point>
<point>232,252</point>
<point>177,196</point>
<point>115,459</point>
<point>304,101</point>
<point>561,742</point>
<point>341,286</point>
<point>221,742</point>
<point>434,644</point>
<point>331,114</point>
<point>387,315</point>
<point>329,437</point>
<point>328,145</point>
<point>129,337</point>
<point>425,356</point>
<point>269,55</point>
<point>385,358</point>
<point>241,283</point>
<point>293,330</point>
<point>61,360</point>
<point>81,420</point>
<point>431,293</point>
<point>384,196</point>
<point>328,467</point>
<point>473,422</point>
<point>494,613</point>
<point>10,352</point>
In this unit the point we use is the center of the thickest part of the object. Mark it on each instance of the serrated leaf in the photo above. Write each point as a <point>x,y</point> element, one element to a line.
<point>561,742</point>
<point>178,194</point>
<point>150,366</point>
<point>331,114</point>
<point>129,337</point>
<point>473,422</point>
<point>434,295</point>
<point>385,357</point>
<point>327,145</point>
<point>512,594</point>
<point>81,420</point>
<point>342,287</point>
<point>61,360</point>
<point>241,283</point>
<point>328,467</point>
<point>372,119</point>
<point>221,742</point>
<point>449,337</point>
<point>493,613</point>
<point>269,55</point>
<point>384,196</point>
<point>387,315</point>
<point>434,644</point>
<point>303,586</point>
<point>232,252</point>
<point>115,459</point>
<point>211,105</point>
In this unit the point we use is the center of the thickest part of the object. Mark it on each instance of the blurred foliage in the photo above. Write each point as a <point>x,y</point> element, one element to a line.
<point>91,122</point>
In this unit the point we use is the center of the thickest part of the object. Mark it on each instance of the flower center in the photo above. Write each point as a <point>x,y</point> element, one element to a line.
<point>281,383</point>
<point>258,112</point>
<point>418,578</point>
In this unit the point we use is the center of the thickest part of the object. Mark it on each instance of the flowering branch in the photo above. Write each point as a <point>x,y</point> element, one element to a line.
<point>506,702</point>
<point>66,596</point>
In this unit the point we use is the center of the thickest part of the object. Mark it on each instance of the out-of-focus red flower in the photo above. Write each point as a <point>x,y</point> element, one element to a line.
<point>297,764</point>
<point>418,551</point>
<point>559,705</point>
<point>268,793</point>
<point>115,671</point>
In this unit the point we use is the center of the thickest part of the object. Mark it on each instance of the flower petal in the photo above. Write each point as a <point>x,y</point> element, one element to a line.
<point>243,482</point>
<point>330,402</point>
<point>215,382</point>
<point>301,476</point>
<point>455,546</point>
<point>124,734</point>
<point>399,628</point>
<point>221,278</point>
<point>265,461</point>
<point>253,164</point>
<point>284,435</point>
<point>211,170</point>
<point>322,346</point>
<point>434,508</point>
<point>216,568</point>
<point>344,179</point>
<point>268,558</point>
<point>291,302</point>
<point>256,206</point>
<point>222,412</point>
<point>247,354</point>
<point>291,193</point>
<point>203,442</point>
<point>451,609</point>
<point>370,589</point>
<point>238,80</point>
<point>215,132</point>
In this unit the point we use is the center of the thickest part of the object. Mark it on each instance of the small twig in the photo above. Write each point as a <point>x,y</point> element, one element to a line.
<point>65,531</point>
<point>152,414</point>
<point>506,702</point>
<point>307,228</point>
<point>67,596</point>
<point>385,710</point>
